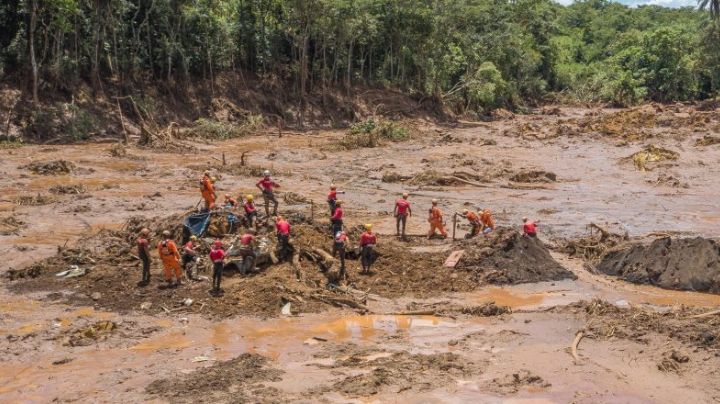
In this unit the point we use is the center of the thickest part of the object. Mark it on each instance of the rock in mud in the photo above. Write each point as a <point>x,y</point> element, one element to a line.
<point>682,264</point>
<point>508,257</point>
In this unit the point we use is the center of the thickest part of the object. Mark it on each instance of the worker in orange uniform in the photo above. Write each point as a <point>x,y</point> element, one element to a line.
<point>368,240</point>
<point>332,198</point>
<point>170,257</point>
<point>283,237</point>
<point>267,186</point>
<point>402,212</point>
<point>436,220</point>
<point>207,188</point>
<point>487,221</point>
<point>474,221</point>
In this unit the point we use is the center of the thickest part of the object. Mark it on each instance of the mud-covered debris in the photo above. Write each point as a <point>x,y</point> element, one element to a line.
<point>670,263</point>
<point>55,167</point>
<point>592,247</point>
<point>393,177</point>
<point>34,200</point>
<point>534,176</point>
<point>445,308</point>
<point>630,124</point>
<point>486,310</point>
<point>671,361</point>
<point>508,257</point>
<point>62,361</point>
<point>11,225</point>
<point>605,320</point>
<point>512,383</point>
<point>401,371</point>
<point>646,159</point>
<point>235,380</point>
<point>707,140</point>
<point>291,198</point>
<point>668,181</point>
<point>501,114</point>
<point>75,189</point>
<point>91,334</point>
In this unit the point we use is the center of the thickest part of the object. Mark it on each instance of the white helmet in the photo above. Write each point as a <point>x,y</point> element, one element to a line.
<point>266,173</point>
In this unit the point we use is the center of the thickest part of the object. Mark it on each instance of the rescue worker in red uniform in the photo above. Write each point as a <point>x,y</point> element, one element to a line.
<point>247,251</point>
<point>267,186</point>
<point>283,236</point>
<point>332,198</point>
<point>402,212</point>
<point>336,220</point>
<point>368,240</point>
<point>217,257</point>
<point>530,227</point>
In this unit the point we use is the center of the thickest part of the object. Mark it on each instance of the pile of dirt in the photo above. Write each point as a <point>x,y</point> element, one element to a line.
<point>91,334</point>
<point>508,257</point>
<point>399,371</point>
<point>683,264</point>
<point>648,158</point>
<point>690,326</point>
<point>237,380</point>
<point>534,176</point>
<point>55,167</point>
<point>630,124</point>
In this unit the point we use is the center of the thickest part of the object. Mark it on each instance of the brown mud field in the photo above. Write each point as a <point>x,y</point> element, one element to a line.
<point>516,320</point>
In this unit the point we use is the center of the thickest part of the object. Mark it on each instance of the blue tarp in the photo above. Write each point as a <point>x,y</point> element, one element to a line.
<point>197,223</point>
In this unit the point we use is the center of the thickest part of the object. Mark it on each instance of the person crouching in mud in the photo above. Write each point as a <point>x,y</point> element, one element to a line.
<point>367,247</point>
<point>247,251</point>
<point>217,257</point>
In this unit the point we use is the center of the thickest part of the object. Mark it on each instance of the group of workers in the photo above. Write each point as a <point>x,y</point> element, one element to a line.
<point>174,262</point>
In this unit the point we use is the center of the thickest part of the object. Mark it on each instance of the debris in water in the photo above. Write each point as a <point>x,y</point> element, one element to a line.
<point>652,154</point>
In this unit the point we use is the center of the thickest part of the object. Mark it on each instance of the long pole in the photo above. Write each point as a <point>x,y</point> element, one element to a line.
<point>454,224</point>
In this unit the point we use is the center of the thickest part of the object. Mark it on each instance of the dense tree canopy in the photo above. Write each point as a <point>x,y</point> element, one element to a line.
<point>476,54</point>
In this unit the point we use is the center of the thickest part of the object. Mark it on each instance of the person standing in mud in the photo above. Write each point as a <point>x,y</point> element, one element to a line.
<point>474,221</point>
<point>367,248</point>
<point>336,220</point>
<point>217,257</point>
<point>170,257</point>
<point>229,203</point>
<point>402,212</point>
<point>332,198</point>
<point>143,244</point>
<point>530,227</point>
<point>267,186</point>
<point>208,190</point>
<point>435,219</point>
<point>283,237</point>
<point>188,257</point>
<point>247,251</point>
<point>250,212</point>
<point>339,245</point>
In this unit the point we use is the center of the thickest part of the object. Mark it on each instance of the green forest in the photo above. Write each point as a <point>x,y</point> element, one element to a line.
<point>471,54</point>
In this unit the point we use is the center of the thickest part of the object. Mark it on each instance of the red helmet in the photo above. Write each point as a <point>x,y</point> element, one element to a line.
<point>217,243</point>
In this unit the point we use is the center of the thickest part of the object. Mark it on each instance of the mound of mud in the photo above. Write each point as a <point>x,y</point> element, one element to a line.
<point>55,167</point>
<point>236,380</point>
<point>648,158</point>
<point>508,257</point>
<point>401,371</point>
<point>534,176</point>
<point>682,264</point>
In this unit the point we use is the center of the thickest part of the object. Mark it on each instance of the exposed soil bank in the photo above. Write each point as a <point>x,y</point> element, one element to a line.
<point>671,263</point>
